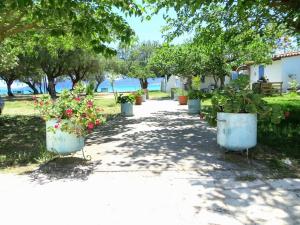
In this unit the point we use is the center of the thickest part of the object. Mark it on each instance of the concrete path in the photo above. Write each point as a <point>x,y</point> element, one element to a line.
<point>161,166</point>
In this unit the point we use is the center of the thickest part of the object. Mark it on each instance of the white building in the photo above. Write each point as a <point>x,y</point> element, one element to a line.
<point>284,68</point>
<point>178,82</point>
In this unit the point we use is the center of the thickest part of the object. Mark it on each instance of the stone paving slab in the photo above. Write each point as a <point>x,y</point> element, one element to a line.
<point>161,166</point>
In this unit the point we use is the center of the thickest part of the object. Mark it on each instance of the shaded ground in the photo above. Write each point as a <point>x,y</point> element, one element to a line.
<point>22,141</point>
<point>161,166</point>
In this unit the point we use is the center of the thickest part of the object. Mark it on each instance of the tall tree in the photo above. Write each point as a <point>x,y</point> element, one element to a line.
<point>53,65</point>
<point>80,63</point>
<point>29,72</point>
<point>9,76</point>
<point>98,75</point>
<point>137,62</point>
<point>114,68</point>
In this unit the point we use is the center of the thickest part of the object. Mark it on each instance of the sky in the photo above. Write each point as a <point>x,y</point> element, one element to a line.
<point>151,30</point>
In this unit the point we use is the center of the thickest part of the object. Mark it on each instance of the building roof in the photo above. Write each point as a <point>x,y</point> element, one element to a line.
<point>285,55</point>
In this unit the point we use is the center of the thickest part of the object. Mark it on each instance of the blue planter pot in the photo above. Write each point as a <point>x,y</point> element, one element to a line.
<point>237,131</point>
<point>62,142</point>
<point>194,106</point>
<point>127,109</point>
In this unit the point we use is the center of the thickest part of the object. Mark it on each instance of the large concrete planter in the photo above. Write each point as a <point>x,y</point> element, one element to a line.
<point>194,106</point>
<point>127,109</point>
<point>182,100</point>
<point>237,131</point>
<point>62,142</point>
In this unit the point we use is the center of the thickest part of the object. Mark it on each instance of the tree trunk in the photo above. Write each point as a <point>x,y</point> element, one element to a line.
<point>9,91</point>
<point>74,82</point>
<point>144,85</point>
<point>113,90</point>
<point>51,87</point>
<point>40,87</point>
<point>96,86</point>
<point>216,81</point>
<point>222,82</point>
<point>33,88</point>
<point>188,85</point>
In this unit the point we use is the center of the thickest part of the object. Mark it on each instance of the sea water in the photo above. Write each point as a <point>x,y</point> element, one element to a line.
<point>121,85</point>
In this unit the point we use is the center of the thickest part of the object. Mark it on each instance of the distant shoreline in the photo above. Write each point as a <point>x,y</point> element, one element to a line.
<point>121,86</point>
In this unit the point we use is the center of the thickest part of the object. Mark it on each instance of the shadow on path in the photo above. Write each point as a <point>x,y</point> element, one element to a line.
<point>163,140</point>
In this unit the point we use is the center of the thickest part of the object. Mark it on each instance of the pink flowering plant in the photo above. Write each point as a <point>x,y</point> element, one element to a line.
<point>74,112</point>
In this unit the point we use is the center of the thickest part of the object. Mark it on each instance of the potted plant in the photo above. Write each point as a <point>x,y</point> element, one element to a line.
<point>236,111</point>
<point>69,119</point>
<point>126,102</point>
<point>194,101</point>
<point>182,97</point>
<point>138,97</point>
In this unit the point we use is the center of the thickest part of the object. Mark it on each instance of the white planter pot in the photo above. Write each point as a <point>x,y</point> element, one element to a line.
<point>194,106</point>
<point>144,97</point>
<point>62,142</point>
<point>237,131</point>
<point>127,109</point>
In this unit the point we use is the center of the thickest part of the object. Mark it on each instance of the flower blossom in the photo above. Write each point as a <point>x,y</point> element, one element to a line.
<point>77,99</point>
<point>98,122</point>
<point>90,104</point>
<point>90,126</point>
<point>69,112</point>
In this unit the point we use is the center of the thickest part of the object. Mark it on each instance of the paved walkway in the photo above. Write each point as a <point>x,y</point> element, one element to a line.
<point>161,166</point>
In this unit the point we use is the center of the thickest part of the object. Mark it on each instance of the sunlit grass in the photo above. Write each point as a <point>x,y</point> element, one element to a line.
<point>157,95</point>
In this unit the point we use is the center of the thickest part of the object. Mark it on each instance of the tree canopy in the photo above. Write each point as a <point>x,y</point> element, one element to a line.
<point>257,13</point>
<point>97,21</point>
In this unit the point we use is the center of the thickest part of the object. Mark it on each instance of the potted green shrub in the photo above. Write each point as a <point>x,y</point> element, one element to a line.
<point>69,119</point>
<point>139,97</point>
<point>126,102</point>
<point>182,96</point>
<point>194,101</point>
<point>236,110</point>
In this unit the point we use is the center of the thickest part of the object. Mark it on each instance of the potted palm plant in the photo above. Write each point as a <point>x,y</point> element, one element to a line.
<point>69,119</point>
<point>236,110</point>
<point>126,102</point>
<point>138,97</point>
<point>182,96</point>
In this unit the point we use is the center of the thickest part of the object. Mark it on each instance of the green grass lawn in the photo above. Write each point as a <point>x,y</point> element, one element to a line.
<point>158,95</point>
<point>284,137</point>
